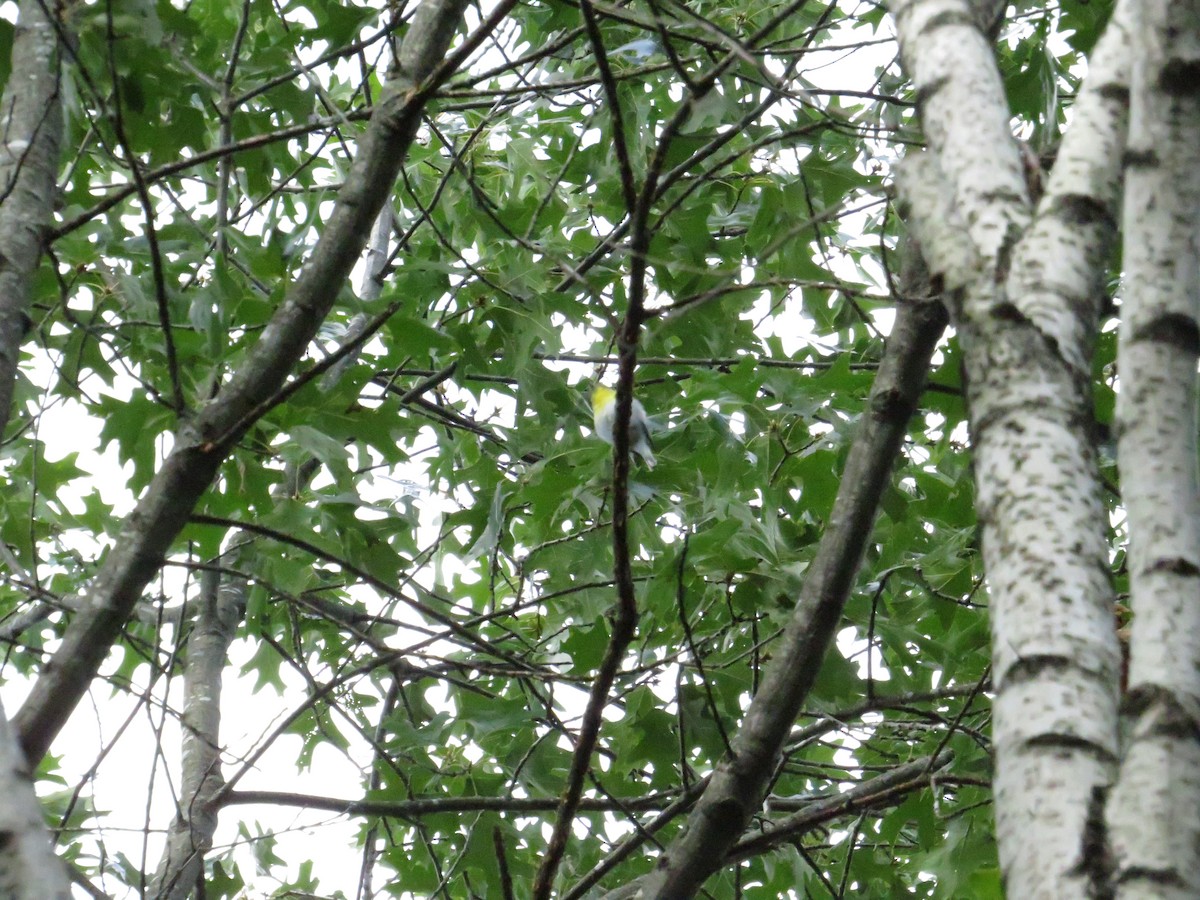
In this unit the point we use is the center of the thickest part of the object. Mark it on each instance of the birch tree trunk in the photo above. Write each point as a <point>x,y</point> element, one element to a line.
<point>1155,829</point>
<point>29,870</point>
<point>1025,297</point>
<point>191,834</point>
<point>31,129</point>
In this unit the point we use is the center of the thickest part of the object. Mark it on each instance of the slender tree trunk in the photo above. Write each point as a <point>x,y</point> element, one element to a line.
<point>191,834</point>
<point>30,135</point>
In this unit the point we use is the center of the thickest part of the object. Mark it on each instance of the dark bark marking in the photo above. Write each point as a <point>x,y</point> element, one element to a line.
<point>1138,158</point>
<point>1082,209</point>
<point>1180,78</point>
<point>1170,717</point>
<point>1095,857</point>
<point>926,92</point>
<point>1118,93</point>
<point>1174,329</point>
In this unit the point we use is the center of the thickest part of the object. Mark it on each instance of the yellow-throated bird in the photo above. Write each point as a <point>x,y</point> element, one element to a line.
<point>604,414</point>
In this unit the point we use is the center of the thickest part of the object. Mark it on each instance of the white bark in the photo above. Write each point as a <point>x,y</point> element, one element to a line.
<point>191,834</point>
<point>965,118</point>
<point>30,134</point>
<point>1155,829</point>
<point>29,870</point>
<point>1054,650</point>
<point>1026,312</point>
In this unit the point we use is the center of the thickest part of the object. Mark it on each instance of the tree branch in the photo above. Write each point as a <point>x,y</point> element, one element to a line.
<point>201,445</point>
<point>740,783</point>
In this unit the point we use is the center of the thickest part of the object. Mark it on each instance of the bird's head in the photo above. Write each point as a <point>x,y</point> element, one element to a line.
<point>602,396</point>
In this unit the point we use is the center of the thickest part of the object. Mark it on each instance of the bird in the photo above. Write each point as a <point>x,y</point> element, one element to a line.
<point>604,414</point>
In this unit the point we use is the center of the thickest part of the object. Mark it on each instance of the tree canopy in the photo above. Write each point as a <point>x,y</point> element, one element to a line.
<point>308,540</point>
